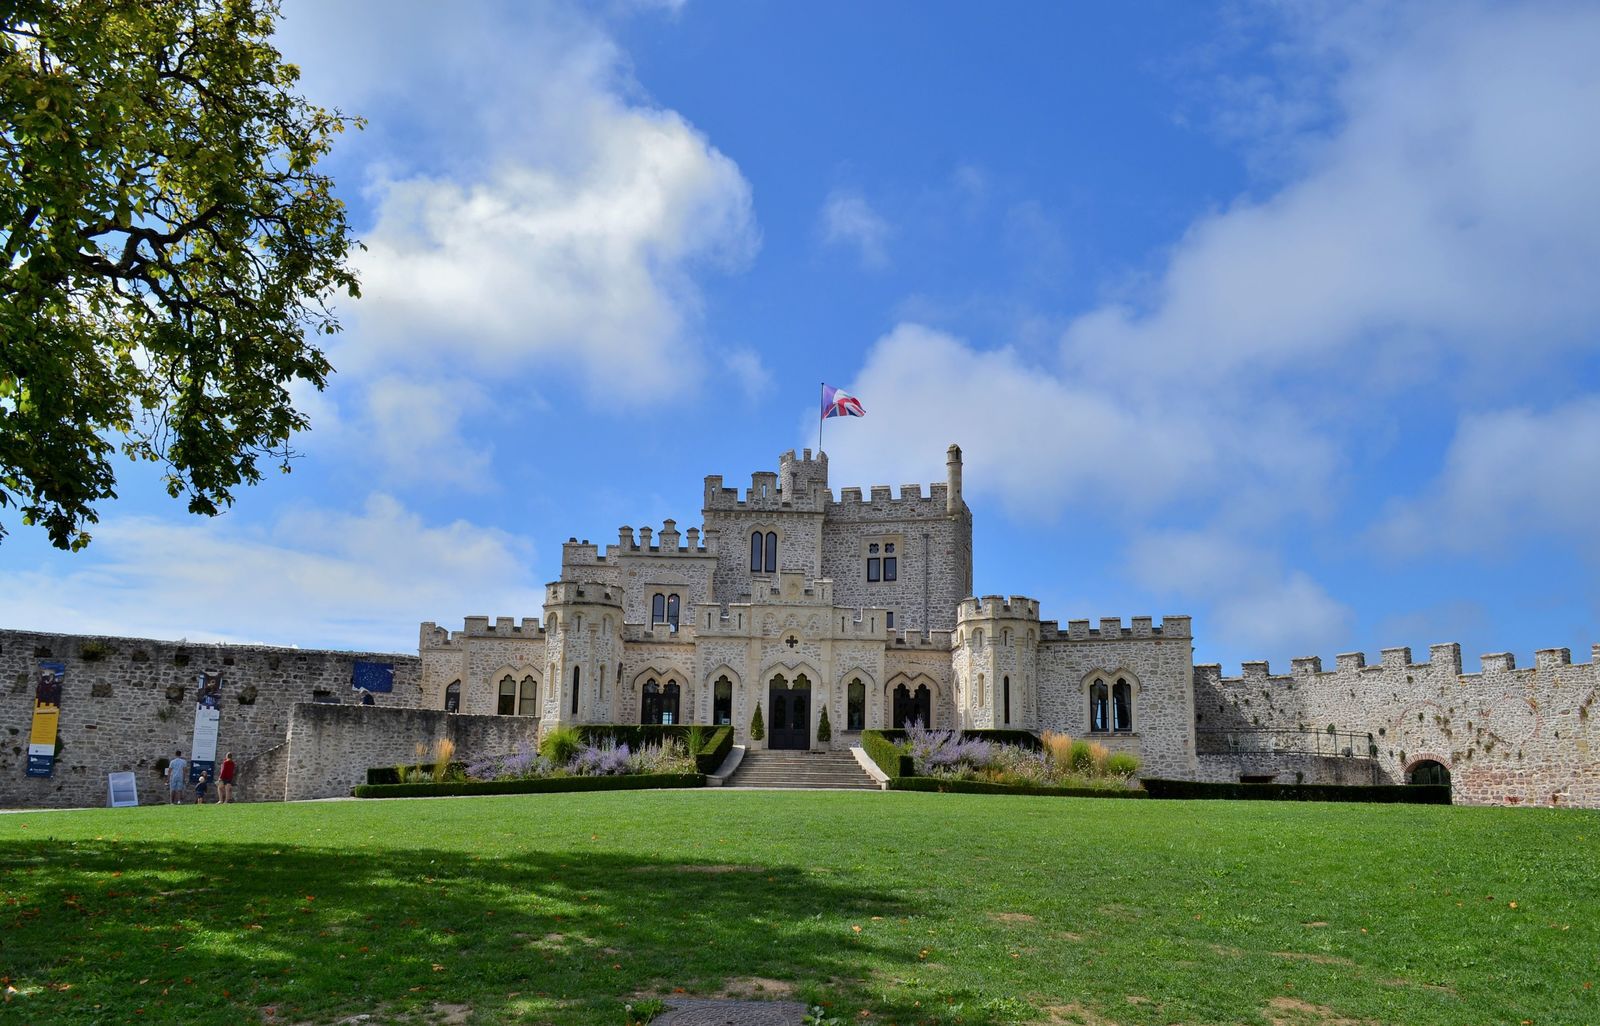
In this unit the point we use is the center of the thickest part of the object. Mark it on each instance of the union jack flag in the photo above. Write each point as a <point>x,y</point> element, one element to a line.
<point>836,402</point>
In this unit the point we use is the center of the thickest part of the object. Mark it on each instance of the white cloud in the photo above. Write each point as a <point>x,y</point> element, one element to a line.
<point>414,428</point>
<point>1256,604</point>
<point>315,577</point>
<point>849,220</point>
<point>1510,477</point>
<point>749,371</point>
<point>1451,206</point>
<point>1039,441</point>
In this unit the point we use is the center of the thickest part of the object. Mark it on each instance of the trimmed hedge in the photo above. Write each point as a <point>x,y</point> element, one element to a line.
<point>985,787</point>
<point>890,757</point>
<point>1416,794</point>
<point>534,785</point>
<point>1021,738</point>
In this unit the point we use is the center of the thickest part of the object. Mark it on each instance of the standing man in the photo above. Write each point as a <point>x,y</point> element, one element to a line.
<point>177,770</point>
<point>225,780</point>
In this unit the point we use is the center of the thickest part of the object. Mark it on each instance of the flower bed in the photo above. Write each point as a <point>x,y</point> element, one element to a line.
<point>1046,765</point>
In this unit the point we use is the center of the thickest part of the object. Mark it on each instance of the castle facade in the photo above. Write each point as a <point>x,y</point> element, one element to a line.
<point>858,608</point>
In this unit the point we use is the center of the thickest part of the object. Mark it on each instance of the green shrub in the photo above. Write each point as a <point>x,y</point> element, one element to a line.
<point>1081,757</point>
<point>758,730</point>
<point>715,750</point>
<point>533,785</point>
<point>894,760</point>
<point>1122,764</point>
<point>93,651</point>
<point>1418,794</point>
<point>560,745</point>
<point>824,731</point>
<point>945,786</point>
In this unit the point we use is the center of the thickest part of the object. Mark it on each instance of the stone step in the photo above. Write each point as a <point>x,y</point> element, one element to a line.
<point>800,769</point>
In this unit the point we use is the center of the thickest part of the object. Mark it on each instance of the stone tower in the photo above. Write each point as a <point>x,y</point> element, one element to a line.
<point>583,652</point>
<point>994,657</point>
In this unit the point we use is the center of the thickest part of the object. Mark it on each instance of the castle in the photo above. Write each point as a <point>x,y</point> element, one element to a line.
<point>803,605</point>
<point>860,605</point>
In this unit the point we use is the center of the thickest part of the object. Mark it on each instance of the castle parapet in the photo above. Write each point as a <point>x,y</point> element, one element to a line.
<point>1305,666</point>
<point>1396,658</point>
<point>580,592</point>
<point>1349,661</point>
<point>1550,658</point>
<point>1498,662</point>
<point>1447,657</point>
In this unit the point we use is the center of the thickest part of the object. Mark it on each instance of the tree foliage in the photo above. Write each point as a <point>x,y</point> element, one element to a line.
<point>170,251</point>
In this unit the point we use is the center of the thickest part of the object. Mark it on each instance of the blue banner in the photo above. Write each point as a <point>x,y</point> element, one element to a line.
<point>46,719</point>
<point>378,677</point>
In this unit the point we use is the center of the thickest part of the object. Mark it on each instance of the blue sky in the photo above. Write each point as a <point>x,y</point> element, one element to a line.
<point>1283,316</point>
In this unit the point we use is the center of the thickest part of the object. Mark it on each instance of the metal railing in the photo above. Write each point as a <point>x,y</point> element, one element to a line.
<point>1278,741</point>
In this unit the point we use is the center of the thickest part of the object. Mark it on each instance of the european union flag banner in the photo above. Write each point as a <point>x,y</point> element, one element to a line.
<point>836,402</point>
<point>376,677</point>
<point>46,719</point>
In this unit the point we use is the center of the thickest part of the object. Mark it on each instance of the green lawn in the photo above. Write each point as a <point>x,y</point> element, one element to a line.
<point>915,908</point>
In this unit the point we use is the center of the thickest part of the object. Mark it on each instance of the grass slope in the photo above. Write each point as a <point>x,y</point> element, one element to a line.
<point>915,908</point>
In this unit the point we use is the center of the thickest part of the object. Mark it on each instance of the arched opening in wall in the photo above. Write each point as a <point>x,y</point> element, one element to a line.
<point>1099,707</point>
<point>722,701</point>
<point>669,703</point>
<point>855,715</point>
<point>755,552</point>
<point>1430,772</point>
<point>528,699</point>
<point>790,703</point>
<point>772,552</point>
<point>1122,705</point>
<point>913,706</point>
<point>1005,687</point>
<point>575,690</point>
<point>650,702</point>
<point>508,697</point>
<point>672,610</point>
<point>452,697</point>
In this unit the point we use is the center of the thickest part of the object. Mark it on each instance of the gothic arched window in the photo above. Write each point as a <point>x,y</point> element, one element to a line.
<point>772,552</point>
<point>528,700</point>
<point>755,552</point>
<point>575,691</point>
<point>1005,689</point>
<point>722,701</point>
<point>508,697</point>
<point>658,608</point>
<point>1099,708</point>
<point>452,697</point>
<point>1122,705</point>
<point>672,610</point>
<point>855,714</point>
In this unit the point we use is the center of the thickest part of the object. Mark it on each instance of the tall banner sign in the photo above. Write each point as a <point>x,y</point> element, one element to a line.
<point>46,719</point>
<point>207,714</point>
<point>372,677</point>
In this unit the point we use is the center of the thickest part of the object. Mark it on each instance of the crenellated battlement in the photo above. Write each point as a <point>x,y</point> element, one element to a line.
<point>996,607</point>
<point>1443,659</point>
<point>1111,629</point>
<point>668,543</point>
<point>590,593</point>
<point>881,503</point>
<point>433,637</point>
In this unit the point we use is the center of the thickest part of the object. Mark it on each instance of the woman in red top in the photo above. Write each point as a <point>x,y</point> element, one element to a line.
<point>225,780</point>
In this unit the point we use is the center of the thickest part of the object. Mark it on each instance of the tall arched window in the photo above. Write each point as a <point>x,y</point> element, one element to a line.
<point>1005,687</point>
<point>722,701</point>
<point>658,608</point>
<point>575,691</point>
<point>672,610</point>
<point>855,711</point>
<point>508,697</point>
<point>1099,707</point>
<point>772,552</point>
<point>650,702</point>
<point>669,703</point>
<point>755,552</point>
<point>528,700</point>
<point>452,697</point>
<point>1122,705</point>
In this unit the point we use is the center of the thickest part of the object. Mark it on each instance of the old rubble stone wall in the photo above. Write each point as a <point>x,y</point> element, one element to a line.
<point>118,710</point>
<point>331,747</point>
<point>1507,735</point>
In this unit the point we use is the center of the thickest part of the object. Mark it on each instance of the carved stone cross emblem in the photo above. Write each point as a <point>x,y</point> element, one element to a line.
<point>791,641</point>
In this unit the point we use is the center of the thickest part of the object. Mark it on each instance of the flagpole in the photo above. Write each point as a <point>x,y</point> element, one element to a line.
<point>822,387</point>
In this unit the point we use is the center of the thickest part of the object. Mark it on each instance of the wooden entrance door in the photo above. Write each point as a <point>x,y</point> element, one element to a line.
<point>791,717</point>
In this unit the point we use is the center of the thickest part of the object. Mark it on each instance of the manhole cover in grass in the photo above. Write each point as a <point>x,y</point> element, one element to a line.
<point>694,1012</point>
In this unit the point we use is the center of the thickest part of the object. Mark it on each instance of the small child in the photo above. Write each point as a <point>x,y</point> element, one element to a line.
<point>200,788</point>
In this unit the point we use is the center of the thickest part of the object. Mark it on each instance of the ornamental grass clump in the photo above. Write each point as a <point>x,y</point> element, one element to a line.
<point>1059,762</point>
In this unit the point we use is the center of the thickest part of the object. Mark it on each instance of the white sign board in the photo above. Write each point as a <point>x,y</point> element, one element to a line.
<point>122,791</point>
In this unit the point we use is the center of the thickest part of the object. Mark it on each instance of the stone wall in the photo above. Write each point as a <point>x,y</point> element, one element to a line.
<point>1157,660</point>
<point>1287,768</point>
<point>331,747</point>
<point>1507,735</point>
<point>127,702</point>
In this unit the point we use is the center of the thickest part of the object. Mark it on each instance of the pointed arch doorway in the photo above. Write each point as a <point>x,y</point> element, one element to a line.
<point>790,702</point>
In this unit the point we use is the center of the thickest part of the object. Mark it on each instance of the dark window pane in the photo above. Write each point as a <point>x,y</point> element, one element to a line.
<point>1005,690</point>
<point>672,610</point>
<point>1122,706</point>
<point>772,552</point>
<point>856,707</point>
<point>889,618</point>
<point>1099,714</point>
<point>575,691</point>
<point>658,609</point>
<point>755,553</point>
<point>872,568</point>
<point>889,567</point>
<point>452,697</point>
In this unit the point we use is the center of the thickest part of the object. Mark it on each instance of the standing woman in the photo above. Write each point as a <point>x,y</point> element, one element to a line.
<point>225,780</point>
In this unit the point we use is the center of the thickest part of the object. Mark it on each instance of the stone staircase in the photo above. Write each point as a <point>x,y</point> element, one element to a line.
<point>801,770</point>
